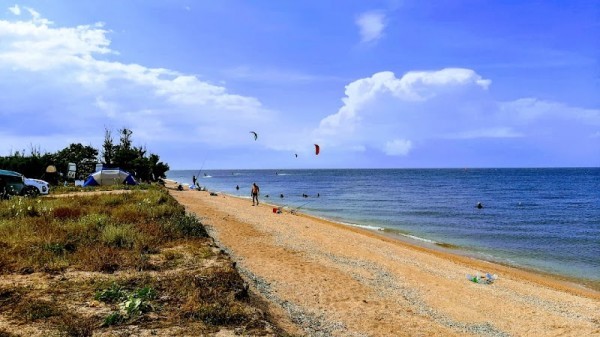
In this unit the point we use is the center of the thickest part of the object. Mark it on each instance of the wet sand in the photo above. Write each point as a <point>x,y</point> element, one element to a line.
<point>326,279</point>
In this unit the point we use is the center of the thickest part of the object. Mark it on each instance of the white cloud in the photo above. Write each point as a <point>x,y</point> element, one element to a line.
<point>398,147</point>
<point>390,115</point>
<point>64,68</point>
<point>16,10</point>
<point>371,25</point>
<point>413,86</point>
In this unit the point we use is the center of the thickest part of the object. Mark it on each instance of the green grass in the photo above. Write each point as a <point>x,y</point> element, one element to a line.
<point>117,241</point>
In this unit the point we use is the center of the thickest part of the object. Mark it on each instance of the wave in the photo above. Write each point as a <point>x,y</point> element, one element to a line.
<point>369,227</point>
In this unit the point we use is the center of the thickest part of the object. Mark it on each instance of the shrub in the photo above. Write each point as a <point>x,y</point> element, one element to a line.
<point>112,294</point>
<point>120,236</point>
<point>100,258</point>
<point>184,226</point>
<point>63,213</point>
<point>222,314</point>
<point>76,326</point>
<point>32,310</point>
<point>94,220</point>
<point>113,318</point>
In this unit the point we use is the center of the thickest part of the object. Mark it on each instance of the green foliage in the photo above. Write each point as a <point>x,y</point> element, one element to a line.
<point>134,159</point>
<point>112,294</point>
<point>120,236</point>
<point>131,303</point>
<point>189,226</point>
<point>32,165</point>
<point>84,156</point>
<point>113,318</point>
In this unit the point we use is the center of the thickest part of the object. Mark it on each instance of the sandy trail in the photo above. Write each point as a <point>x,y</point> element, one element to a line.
<point>333,280</point>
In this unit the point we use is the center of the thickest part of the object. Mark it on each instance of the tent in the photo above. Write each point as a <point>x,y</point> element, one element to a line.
<point>109,177</point>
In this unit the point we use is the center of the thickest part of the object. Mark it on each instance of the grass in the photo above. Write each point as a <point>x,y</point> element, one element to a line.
<point>137,257</point>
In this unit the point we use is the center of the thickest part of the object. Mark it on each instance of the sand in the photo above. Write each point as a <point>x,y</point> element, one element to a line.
<point>326,279</point>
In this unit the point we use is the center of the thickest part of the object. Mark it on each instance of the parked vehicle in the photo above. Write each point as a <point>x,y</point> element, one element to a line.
<point>14,183</point>
<point>11,183</point>
<point>41,187</point>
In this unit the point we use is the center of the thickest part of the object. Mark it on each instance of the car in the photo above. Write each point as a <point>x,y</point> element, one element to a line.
<point>12,183</point>
<point>41,186</point>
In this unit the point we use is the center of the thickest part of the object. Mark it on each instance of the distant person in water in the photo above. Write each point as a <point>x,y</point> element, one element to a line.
<point>281,195</point>
<point>237,187</point>
<point>479,205</point>
<point>254,193</point>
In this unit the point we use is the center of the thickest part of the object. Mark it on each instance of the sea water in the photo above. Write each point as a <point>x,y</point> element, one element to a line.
<point>546,219</point>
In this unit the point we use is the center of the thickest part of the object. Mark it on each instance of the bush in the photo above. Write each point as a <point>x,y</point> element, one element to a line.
<point>32,310</point>
<point>63,213</point>
<point>120,236</point>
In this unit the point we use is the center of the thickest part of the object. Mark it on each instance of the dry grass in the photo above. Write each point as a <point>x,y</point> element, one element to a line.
<point>103,263</point>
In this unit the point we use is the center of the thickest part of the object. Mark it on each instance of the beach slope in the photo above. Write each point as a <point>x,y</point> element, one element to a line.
<point>328,279</point>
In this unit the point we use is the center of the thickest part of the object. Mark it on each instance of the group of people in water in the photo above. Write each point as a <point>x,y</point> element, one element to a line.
<point>255,191</point>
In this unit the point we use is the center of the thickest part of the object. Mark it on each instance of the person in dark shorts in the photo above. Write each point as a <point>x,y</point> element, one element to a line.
<point>254,193</point>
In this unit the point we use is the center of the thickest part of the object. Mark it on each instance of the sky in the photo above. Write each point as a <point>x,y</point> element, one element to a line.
<point>377,84</point>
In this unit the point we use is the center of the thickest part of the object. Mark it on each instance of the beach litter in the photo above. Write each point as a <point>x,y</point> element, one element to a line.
<point>487,279</point>
<point>277,210</point>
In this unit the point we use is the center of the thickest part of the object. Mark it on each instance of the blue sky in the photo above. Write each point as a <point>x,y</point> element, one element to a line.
<point>387,84</point>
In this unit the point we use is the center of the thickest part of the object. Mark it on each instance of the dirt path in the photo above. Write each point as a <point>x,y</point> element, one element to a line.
<point>333,280</point>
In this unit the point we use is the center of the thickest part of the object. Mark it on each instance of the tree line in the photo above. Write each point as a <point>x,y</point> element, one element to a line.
<point>144,166</point>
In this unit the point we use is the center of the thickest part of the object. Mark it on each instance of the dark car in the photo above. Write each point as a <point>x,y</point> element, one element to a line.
<point>13,183</point>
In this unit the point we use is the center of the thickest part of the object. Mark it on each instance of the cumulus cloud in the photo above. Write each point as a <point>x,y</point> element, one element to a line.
<point>66,72</point>
<point>398,116</point>
<point>371,25</point>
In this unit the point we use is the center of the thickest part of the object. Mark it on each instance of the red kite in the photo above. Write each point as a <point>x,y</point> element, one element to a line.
<point>317,149</point>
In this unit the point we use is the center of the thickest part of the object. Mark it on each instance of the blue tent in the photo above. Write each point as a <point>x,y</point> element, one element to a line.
<point>109,177</point>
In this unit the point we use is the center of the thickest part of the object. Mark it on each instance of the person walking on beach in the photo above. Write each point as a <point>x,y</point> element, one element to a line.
<point>254,193</point>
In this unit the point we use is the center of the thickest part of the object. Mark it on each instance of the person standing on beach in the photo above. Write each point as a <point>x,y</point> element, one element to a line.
<point>254,193</point>
<point>194,180</point>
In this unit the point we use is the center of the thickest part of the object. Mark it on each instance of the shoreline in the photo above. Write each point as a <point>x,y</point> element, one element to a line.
<point>562,282</point>
<point>585,285</point>
<point>331,279</point>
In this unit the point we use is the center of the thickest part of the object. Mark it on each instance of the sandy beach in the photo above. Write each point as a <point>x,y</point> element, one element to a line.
<point>326,279</point>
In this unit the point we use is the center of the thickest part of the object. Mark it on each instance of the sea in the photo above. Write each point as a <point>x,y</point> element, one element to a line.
<point>545,219</point>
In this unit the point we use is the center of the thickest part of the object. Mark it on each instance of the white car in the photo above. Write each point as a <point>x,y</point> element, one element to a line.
<point>42,186</point>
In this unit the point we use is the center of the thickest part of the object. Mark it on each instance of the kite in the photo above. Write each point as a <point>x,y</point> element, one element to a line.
<point>296,155</point>
<point>255,134</point>
<point>317,149</point>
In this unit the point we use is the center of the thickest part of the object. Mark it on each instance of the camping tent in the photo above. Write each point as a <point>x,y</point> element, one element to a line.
<point>109,177</point>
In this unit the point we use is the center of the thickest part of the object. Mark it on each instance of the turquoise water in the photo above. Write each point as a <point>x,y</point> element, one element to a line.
<point>545,219</point>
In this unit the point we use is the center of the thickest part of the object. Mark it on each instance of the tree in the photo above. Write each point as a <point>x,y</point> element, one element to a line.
<point>84,156</point>
<point>134,159</point>
<point>108,149</point>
